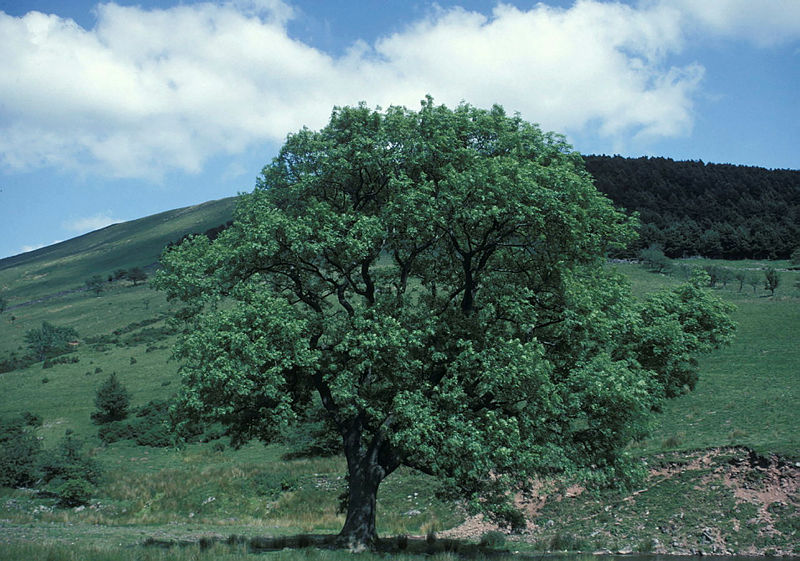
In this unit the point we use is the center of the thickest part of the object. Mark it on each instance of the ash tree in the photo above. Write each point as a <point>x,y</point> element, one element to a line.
<point>136,275</point>
<point>49,340</point>
<point>436,280</point>
<point>95,284</point>
<point>771,280</point>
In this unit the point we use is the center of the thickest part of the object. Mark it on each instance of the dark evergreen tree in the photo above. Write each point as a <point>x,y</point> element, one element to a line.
<point>112,401</point>
<point>714,210</point>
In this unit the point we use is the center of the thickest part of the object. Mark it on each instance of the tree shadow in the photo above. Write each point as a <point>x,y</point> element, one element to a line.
<point>388,545</point>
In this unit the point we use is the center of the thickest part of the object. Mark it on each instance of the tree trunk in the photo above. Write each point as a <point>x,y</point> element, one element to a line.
<point>358,533</point>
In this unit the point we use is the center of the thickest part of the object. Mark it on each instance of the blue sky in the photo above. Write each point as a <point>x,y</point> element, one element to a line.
<point>114,111</point>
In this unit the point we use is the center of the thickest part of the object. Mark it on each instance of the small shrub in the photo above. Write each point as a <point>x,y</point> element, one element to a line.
<point>272,485</point>
<point>19,450</point>
<point>31,419</point>
<point>68,461</point>
<point>98,370</point>
<point>148,336</point>
<point>115,431</point>
<point>157,436</point>
<point>133,360</point>
<point>51,362</point>
<point>45,380</point>
<point>68,473</point>
<point>654,259</point>
<point>645,546</point>
<point>49,340</point>
<point>493,539</point>
<point>74,492</point>
<point>152,426</point>
<point>15,361</point>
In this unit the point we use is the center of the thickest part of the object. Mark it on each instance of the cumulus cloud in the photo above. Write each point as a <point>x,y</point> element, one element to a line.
<point>27,248</point>
<point>148,91</point>
<point>764,23</point>
<point>90,223</point>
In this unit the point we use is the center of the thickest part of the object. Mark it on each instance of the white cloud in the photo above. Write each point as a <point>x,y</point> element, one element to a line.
<point>27,248</point>
<point>147,91</point>
<point>90,223</point>
<point>763,22</point>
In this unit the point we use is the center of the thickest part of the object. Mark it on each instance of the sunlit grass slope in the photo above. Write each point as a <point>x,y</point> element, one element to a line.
<point>137,243</point>
<point>749,392</point>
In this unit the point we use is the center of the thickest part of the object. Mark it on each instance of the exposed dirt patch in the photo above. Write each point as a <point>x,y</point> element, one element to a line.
<point>768,522</point>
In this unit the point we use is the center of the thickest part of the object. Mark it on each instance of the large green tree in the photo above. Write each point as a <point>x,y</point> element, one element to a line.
<point>436,280</point>
<point>49,340</point>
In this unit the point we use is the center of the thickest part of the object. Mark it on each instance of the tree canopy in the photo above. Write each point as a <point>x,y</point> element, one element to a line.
<point>436,280</point>
<point>49,340</point>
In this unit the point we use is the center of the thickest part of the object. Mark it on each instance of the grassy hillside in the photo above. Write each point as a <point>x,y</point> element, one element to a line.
<point>749,392</point>
<point>747,396</point>
<point>137,243</point>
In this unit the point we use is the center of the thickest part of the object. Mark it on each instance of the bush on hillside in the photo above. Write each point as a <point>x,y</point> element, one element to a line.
<point>493,538</point>
<point>794,259</point>
<point>74,492</point>
<point>151,427</point>
<point>13,361</point>
<point>19,450</point>
<point>69,461</point>
<point>69,474</point>
<point>654,259</point>
<point>115,431</point>
<point>51,362</point>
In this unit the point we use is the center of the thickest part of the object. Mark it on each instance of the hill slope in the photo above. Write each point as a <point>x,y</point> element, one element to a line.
<point>137,243</point>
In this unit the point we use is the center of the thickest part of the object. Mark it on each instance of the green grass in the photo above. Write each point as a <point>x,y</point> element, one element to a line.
<point>213,552</point>
<point>748,395</point>
<point>749,392</point>
<point>250,487</point>
<point>137,243</point>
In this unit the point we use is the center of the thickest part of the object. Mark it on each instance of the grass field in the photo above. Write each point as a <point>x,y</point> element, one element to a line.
<point>748,395</point>
<point>749,392</point>
<point>138,243</point>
